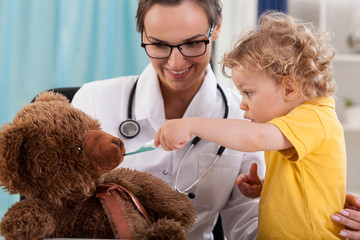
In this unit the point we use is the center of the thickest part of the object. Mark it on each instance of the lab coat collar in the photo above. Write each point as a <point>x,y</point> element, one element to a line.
<point>205,100</point>
<point>148,101</point>
<point>149,104</point>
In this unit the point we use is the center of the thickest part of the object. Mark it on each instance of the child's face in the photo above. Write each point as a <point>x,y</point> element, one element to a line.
<point>262,97</point>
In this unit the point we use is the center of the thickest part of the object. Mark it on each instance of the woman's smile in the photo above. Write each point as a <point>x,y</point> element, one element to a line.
<point>179,74</point>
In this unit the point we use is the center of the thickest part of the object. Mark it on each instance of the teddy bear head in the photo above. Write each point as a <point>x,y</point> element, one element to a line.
<point>54,152</point>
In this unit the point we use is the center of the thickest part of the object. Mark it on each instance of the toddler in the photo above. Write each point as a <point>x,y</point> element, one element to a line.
<point>283,71</point>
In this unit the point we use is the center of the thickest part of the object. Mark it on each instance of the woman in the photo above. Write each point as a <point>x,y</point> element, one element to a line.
<point>177,36</point>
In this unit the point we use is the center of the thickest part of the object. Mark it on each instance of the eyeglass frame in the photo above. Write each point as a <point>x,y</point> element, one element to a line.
<point>207,41</point>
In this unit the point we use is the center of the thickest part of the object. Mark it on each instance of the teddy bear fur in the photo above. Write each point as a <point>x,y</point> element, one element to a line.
<point>56,155</point>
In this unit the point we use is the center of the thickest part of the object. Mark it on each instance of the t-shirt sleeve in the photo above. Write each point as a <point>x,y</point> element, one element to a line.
<point>304,129</point>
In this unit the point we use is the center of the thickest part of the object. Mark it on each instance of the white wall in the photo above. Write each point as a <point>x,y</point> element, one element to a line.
<point>340,19</point>
<point>238,15</point>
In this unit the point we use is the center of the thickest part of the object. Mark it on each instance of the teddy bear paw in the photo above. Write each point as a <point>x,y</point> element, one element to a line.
<point>168,229</point>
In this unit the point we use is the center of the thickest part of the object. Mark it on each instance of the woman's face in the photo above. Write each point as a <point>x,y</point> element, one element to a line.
<point>175,25</point>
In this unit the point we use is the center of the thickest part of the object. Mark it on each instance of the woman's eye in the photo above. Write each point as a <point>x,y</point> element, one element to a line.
<point>160,46</point>
<point>192,44</point>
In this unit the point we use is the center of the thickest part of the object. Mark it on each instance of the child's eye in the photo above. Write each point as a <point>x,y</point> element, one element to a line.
<point>247,93</point>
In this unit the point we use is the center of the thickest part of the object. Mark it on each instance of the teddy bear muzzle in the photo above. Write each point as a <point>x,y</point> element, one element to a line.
<point>104,151</point>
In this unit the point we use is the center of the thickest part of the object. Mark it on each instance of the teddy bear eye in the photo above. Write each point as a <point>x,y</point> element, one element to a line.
<point>79,148</point>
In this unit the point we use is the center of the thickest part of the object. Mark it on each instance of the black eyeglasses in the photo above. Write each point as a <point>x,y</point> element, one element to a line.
<point>188,49</point>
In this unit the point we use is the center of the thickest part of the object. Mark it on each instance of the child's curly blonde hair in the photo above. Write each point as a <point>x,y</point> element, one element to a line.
<point>284,46</point>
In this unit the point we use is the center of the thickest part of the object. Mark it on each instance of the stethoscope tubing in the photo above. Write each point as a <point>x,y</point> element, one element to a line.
<point>186,190</point>
<point>130,122</point>
<point>193,143</point>
<point>131,99</point>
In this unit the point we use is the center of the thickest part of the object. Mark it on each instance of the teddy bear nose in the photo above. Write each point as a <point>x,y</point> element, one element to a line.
<point>117,142</point>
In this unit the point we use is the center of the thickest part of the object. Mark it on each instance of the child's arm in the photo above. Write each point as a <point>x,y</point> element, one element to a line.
<point>236,134</point>
<point>250,184</point>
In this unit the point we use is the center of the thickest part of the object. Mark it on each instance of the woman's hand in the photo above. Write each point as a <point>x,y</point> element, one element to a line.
<point>350,217</point>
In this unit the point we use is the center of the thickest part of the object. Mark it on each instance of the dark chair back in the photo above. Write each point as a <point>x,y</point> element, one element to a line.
<point>68,92</point>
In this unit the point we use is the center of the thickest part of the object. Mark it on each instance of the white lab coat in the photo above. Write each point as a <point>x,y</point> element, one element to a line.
<point>107,100</point>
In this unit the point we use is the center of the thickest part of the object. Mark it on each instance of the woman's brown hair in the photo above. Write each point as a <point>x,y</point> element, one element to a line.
<point>211,7</point>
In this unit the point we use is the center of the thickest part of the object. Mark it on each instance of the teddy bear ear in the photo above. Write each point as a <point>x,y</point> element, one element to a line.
<point>11,141</point>
<point>48,96</point>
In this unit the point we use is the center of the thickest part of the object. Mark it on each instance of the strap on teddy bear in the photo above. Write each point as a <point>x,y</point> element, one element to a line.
<point>110,196</point>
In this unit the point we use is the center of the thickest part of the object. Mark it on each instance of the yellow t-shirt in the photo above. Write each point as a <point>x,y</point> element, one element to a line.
<point>305,185</point>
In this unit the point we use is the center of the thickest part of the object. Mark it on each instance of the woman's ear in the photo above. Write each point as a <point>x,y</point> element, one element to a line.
<point>216,31</point>
<point>291,88</point>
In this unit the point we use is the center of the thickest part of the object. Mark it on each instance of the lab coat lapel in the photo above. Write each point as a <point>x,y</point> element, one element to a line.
<point>148,101</point>
<point>205,101</point>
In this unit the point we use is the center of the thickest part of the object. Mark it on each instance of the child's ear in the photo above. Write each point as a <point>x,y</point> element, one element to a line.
<point>291,88</point>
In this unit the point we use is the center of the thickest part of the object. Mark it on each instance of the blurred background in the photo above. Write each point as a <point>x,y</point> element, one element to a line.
<point>62,43</point>
<point>46,44</point>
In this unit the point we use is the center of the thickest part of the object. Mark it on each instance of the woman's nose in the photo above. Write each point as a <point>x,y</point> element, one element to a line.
<point>176,59</point>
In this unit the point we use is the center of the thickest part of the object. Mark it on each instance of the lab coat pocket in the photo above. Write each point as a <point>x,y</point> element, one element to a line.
<point>215,188</point>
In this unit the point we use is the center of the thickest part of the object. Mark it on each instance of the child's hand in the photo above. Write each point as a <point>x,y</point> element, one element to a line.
<point>173,134</point>
<point>250,184</point>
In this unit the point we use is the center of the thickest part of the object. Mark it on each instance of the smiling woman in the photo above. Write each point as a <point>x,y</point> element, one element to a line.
<point>180,83</point>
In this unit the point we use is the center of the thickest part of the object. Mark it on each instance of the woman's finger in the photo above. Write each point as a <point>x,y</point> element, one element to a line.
<point>350,235</point>
<point>350,219</point>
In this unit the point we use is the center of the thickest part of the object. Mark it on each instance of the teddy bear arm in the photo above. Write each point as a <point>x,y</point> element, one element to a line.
<point>26,220</point>
<point>173,212</point>
<point>176,206</point>
<point>157,197</point>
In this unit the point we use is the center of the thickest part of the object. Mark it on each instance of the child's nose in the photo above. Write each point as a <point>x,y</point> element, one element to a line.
<point>243,106</point>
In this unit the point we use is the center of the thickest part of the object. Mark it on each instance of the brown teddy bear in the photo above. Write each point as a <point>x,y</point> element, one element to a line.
<point>60,160</point>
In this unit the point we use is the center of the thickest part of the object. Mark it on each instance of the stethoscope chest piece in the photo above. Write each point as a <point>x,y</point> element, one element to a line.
<point>129,128</point>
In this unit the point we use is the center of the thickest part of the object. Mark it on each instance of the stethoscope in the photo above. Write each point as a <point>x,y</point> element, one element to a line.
<point>130,129</point>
